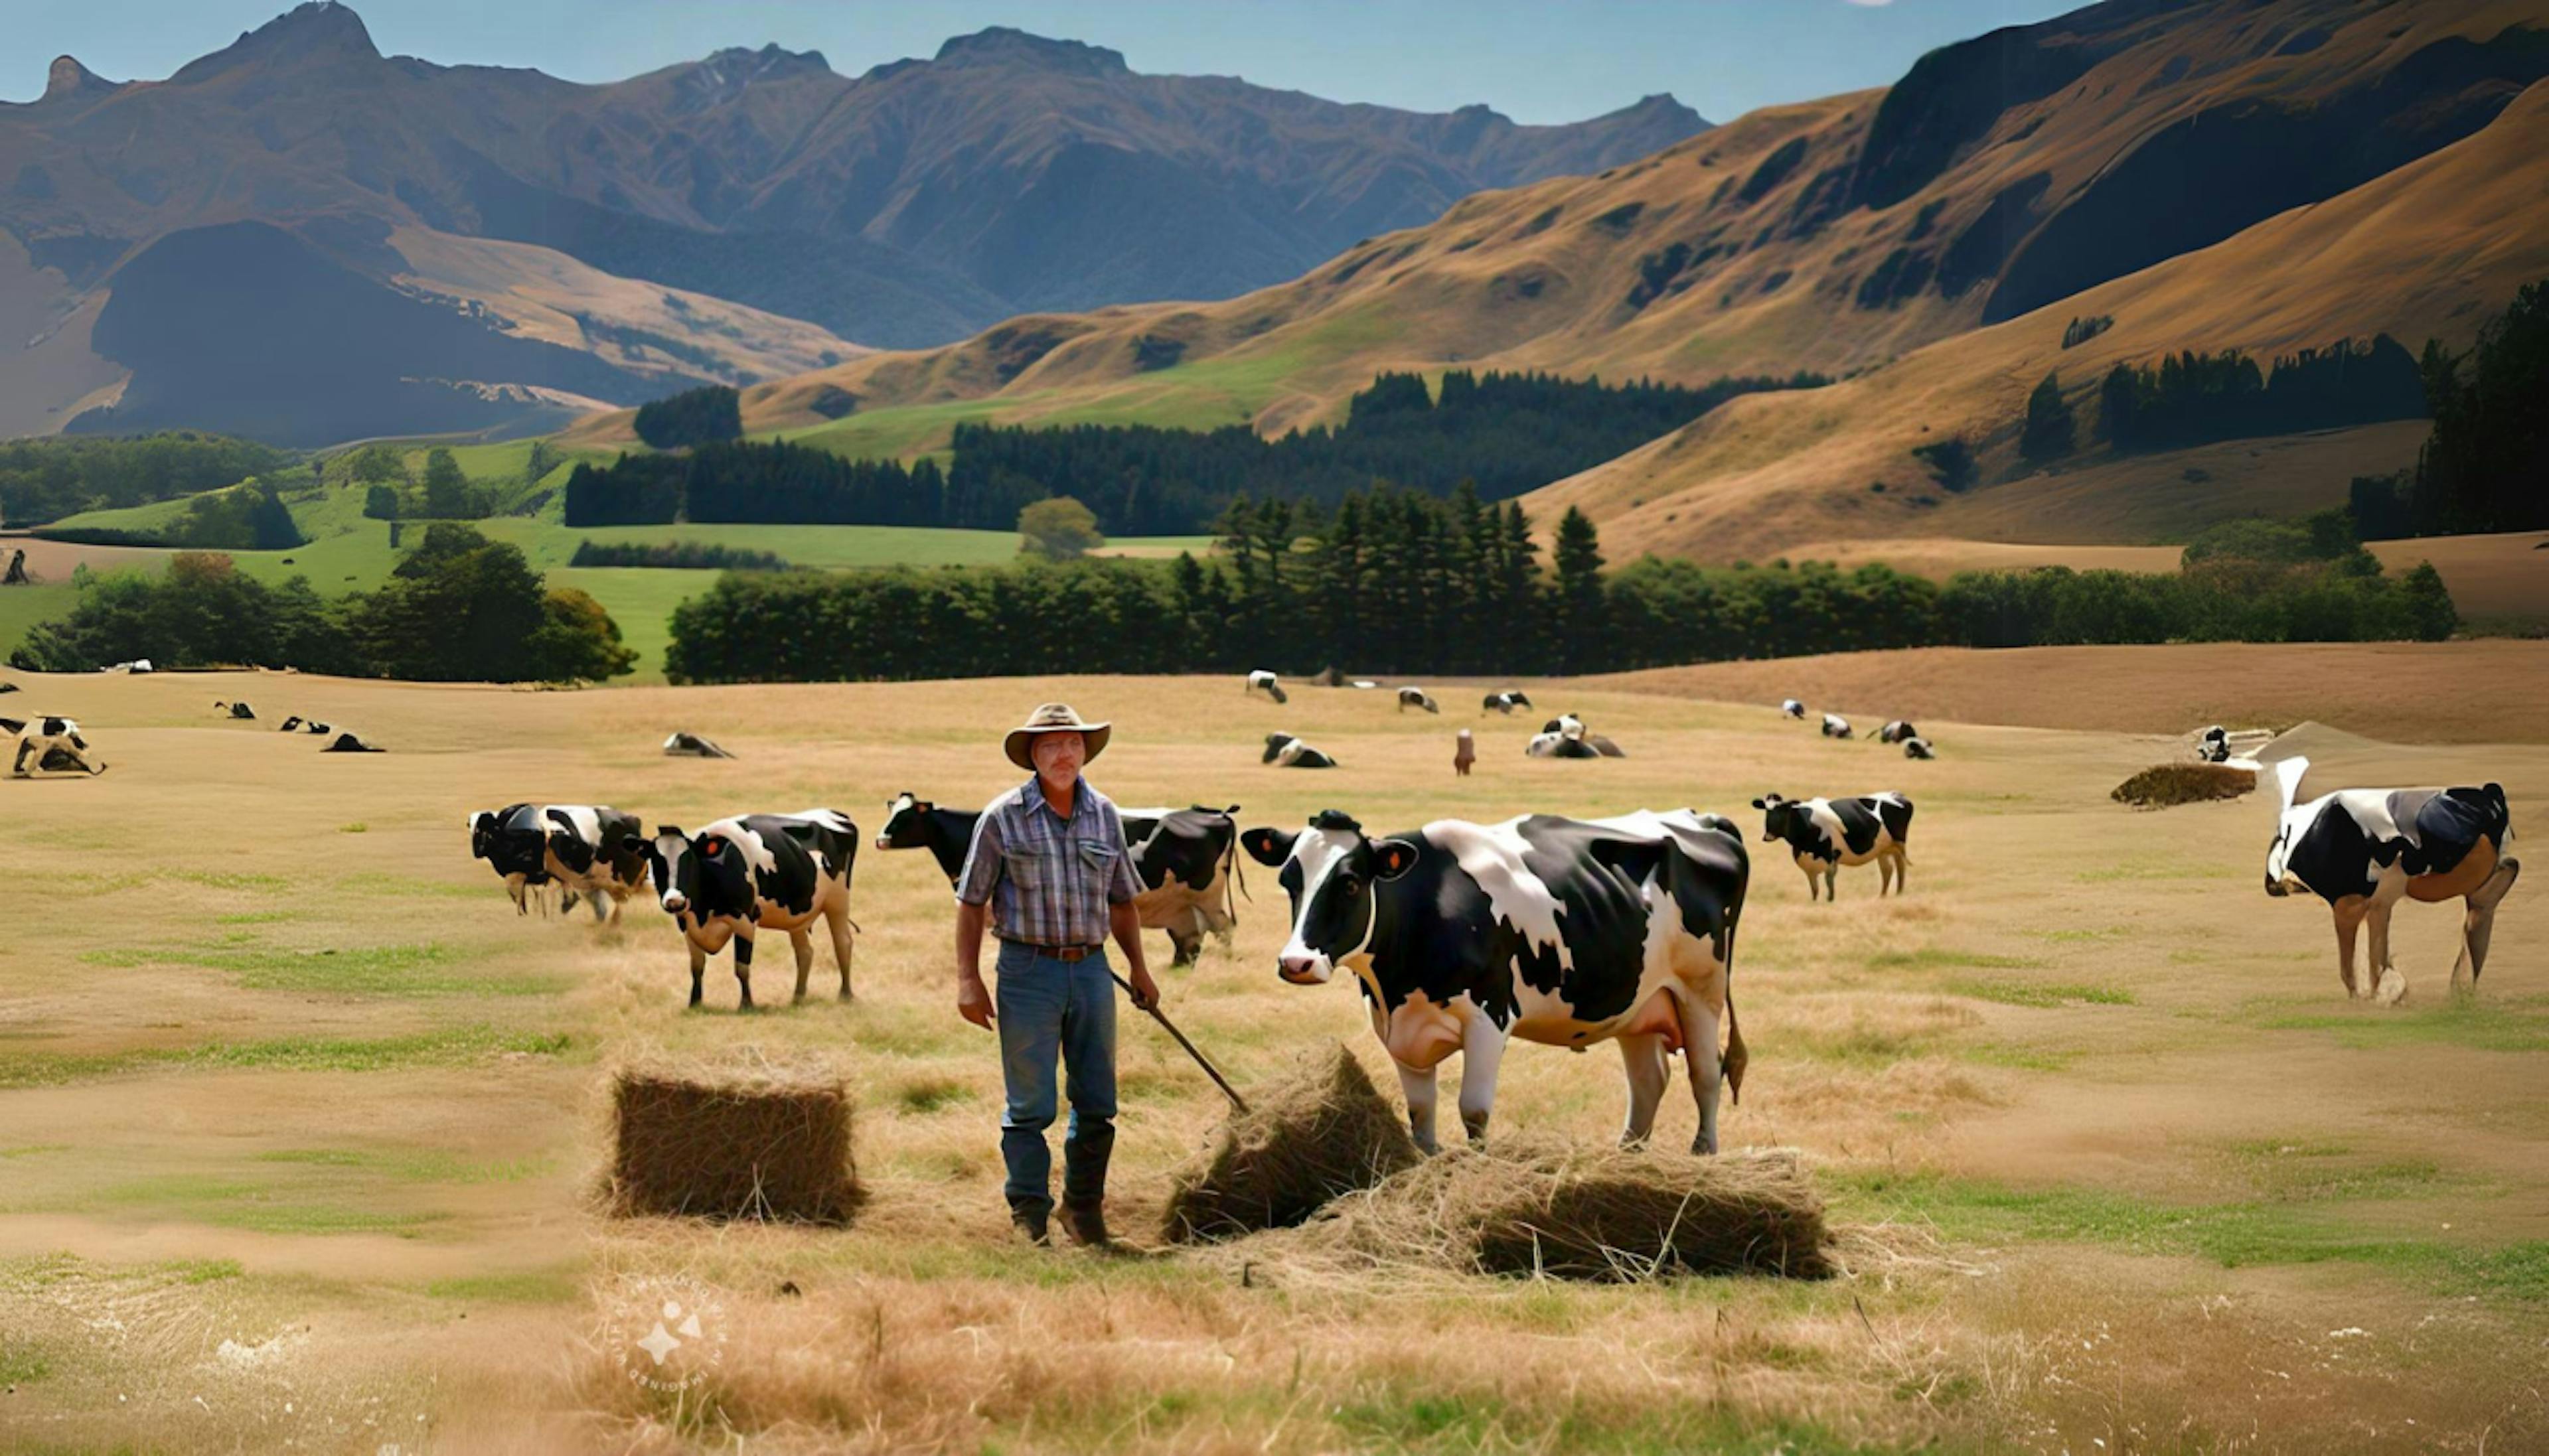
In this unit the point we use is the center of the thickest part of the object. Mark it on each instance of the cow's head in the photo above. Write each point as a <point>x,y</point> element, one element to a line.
<point>902,823</point>
<point>1780,816</point>
<point>1330,871</point>
<point>697,875</point>
<point>2289,828</point>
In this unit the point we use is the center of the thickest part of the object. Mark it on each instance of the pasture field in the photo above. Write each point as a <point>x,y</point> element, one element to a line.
<point>300,1124</point>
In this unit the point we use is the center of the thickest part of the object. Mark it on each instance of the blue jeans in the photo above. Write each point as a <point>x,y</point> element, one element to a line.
<point>1047,1008</point>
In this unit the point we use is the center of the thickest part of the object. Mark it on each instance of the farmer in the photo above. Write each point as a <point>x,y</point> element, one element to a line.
<point>1048,871</point>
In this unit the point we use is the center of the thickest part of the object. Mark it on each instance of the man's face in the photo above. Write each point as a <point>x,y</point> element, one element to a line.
<point>1057,757</point>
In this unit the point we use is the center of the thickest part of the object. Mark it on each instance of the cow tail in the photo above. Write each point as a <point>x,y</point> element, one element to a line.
<point>1736,1056</point>
<point>1230,868</point>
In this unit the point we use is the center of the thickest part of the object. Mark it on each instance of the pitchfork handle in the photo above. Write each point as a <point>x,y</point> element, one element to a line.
<point>1209,1070</point>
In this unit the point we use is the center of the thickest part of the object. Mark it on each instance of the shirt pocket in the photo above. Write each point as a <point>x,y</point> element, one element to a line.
<point>1100,858</point>
<point>1023,868</point>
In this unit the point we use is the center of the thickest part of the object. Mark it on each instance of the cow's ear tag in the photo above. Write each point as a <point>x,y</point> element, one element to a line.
<point>1393,857</point>
<point>712,846</point>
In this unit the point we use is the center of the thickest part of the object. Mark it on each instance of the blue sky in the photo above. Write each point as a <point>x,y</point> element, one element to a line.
<point>1548,61</point>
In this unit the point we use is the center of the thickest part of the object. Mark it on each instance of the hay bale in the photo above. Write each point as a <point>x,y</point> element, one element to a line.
<point>1319,1132</point>
<point>771,1145</point>
<point>1539,1206</point>
<point>2184,783</point>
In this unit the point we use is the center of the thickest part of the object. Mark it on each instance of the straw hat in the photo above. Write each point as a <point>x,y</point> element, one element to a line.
<point>1054,718</point>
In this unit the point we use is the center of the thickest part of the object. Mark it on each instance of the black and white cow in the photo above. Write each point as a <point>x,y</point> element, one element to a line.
<point>1417,697</point>
<point>299,724</point>
<point>1565,932</point>
<point>1826,834</point>
<point>690,746</point>
<point>1284,751</point>
<point>1791,708</point>
<point>238,712</point>
<point>1563,737</point>
<point>2364,849</point>
<point>1505,702</point>
<point>1182,857</point>
<point>351,742</point>
<point>1264,680</point>
<point>50,745</point>
<point>1918,748</point>
<point>2212,745</point>
<point>754,873</point>
<point>1897,731</point>
<point>137,666</point>
<point>1835,726</point>
<point>587,850</point>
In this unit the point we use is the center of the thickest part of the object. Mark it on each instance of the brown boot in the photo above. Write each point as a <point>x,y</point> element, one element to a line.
<point>1087,1224</point>
<point>1029,1222</point>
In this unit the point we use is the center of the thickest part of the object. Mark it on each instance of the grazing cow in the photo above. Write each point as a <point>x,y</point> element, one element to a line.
<point>350,743</point>
<point>238,712</point>
<point>754,873</point>
<point>1182,856</point>
<point>1897,731</point>
<point>50,745</point>
<point>692,746</point>
<point>1464,753</point>
<point>1918,748</point>
<point>1835,726</point>
<point>1417,697</point>
<point>1263,681</point>
<point>589,850</point>
<point>1790,707</point>
<point>2363,850</point>
<point>1565,932</point>
<point>1284,751</point>
<point>1505,702</point>
<point>1826,834</point>
<point>299,724</point>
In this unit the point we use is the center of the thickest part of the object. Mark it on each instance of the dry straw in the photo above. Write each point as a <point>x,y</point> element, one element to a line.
<point>766,1143</point>
<point>2184,783</point>
<point>1317,1132</point>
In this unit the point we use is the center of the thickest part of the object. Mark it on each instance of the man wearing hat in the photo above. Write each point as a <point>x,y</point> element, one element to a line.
<point>1049,873</point>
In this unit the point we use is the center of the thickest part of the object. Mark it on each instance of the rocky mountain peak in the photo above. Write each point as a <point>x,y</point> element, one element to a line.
<point>1006,46</point>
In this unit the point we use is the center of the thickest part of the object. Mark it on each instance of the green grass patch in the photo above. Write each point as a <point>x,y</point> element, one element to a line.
<point>2043,995</point>
<point>1393,1419</point>
<point>2020,1059</point>
<point>555,1286</point>
<point>1862,1045</point>
<point>453,1047</point>
<point>2480,1026</point>
<point>2146,867</point>
<point>414,1164</point>
<point>258,917</point>
<point>255,1207</point>
<point>929,1094</point>
<point>362,971</point>
<point>401,887</point>
<point>33,1149</point>
<point>1942,957</point>
<point>21,1361</point>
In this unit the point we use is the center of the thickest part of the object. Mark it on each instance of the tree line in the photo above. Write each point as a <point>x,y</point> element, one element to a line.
<point>2190,399</point>
<point>677,556</point>
<point>1403,583</point>
<point>2486,466</point>
<point>459,607</point>
<point>44,480</point>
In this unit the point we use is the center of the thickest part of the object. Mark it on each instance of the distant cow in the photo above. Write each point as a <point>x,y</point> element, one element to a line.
<point>2212,745</point>
<point>237,711</point>
<point>692,746</point>
<point>1565,932</point>
<point>137,666</point>
<point>1417,697</point>
<point>350,743</point>
<point>50,745</point>
<point>1918,748</point>
<point>1263,681</point>
<point>1897,731</point>
<point>1284,751</point>
<point>1563,737</point>
<point>1182,857</point>
<point>299,724</point>
<point>1835,726</point>
<point>1505,702</point>
<point>2363,850</point>
<point>588,850</point>
<point>754,873</point>
<point>1826,834</point>
<point>1464,753</point>
<point>1790,707</point>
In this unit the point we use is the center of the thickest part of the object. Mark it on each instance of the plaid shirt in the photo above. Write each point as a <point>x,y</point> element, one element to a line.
<point>1048,880</point>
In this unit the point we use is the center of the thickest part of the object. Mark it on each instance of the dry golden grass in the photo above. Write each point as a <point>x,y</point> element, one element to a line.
<point>718,1143</point>
<point>2082,1035</point>
<point>1306,1140</point>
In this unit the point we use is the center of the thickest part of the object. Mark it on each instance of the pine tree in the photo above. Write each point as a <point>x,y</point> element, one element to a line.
<point>1583,619</point>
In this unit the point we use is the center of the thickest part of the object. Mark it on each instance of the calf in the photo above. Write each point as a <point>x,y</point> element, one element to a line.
<point>1918,748</point>
<point>1505,702</point>
<point>1182,857</point>
<point>50,745</point>
<point>1826,834</point>
<point>1565,932</point>
<point>1897,731</point>
<point>1284,751</point>
<point>1835,726</point>
<point>2364,849</point>
<point>1417,697</point>
<point>1263,681</point>
<point>754,873</point>
<point>589,850</point>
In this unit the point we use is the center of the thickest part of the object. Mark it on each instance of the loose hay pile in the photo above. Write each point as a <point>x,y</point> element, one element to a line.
<point>769,1146</point>
<point>1320,1132</point>
<point>2184,783</point>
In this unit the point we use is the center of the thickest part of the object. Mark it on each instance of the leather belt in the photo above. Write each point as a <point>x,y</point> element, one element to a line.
<point>1067,954</point>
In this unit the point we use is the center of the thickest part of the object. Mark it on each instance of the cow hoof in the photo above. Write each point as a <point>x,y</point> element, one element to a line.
<point>1702,1147</point>
<point>2392,990</point>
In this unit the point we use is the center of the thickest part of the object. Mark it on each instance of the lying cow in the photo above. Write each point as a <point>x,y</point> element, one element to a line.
<point>137,666</point>
<point>1897,731</point>
<point>1565,932</point>
<point>299,724</point>
<point>692,746</point>
<point>1918,748</point>
<point>1182,856</point>
<point>1417,697</point>
<point>2212,745</point>
<point>1563,737</point>
<point>351,743</point>
<point>235,711</point>
<point>1790,707</point>
<point>1826,834</point>
<point>1284,751</point>
<point>2364,849</point>
<point>1835,726</point>
<point>1261,680</point>
<point>754,873</point>
<point>50,745</point>
<point>1505,702</point>
<point>587,850</point>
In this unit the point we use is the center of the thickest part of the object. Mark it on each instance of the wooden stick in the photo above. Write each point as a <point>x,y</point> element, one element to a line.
<point>1209,1070</point>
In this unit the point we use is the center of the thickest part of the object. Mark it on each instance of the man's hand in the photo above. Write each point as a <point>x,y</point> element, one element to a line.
<point>973,1001</point>
<point>1146,995</point>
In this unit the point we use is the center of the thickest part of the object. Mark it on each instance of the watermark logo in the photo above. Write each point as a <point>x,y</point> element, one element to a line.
<point>668,1334</point>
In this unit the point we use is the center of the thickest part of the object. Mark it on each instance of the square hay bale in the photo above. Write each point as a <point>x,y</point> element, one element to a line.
<point>1541,1207</point>
<point>767,1146</point>
<point>2169,784</point>
<point>1318,1131</point>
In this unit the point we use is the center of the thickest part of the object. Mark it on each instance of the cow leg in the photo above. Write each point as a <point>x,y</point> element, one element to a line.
<point>1902,872</point>
<point>1417,1085</point>
<point>743,965</point>
<point>699,968</point>
<point>1831,882</point>
<point>802,941</point>
<point>593,898</point>
<point>1482,1050</point>
<point>2389,987</point>
<point>1814,886</point>
<point>1186,937</point>
<point>838,918</point>
<point>2349,920</point>
<point>1884,875</point>
<point>1699,1053</point>
<point>2478,923</point>
<point>1643,1065</point>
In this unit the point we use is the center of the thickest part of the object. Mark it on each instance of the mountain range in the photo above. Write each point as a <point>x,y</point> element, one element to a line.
<point>300,238</point>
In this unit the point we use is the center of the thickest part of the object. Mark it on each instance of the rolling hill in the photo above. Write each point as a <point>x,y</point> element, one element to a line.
<point>732,218</point>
